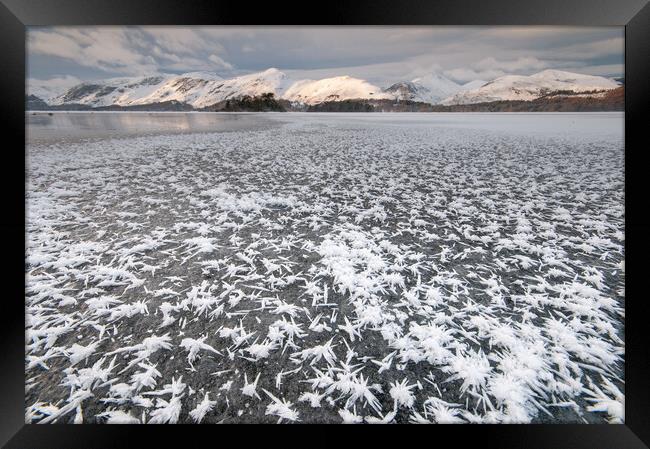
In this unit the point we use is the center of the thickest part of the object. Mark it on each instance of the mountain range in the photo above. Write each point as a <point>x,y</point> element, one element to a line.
<point>199,90</point>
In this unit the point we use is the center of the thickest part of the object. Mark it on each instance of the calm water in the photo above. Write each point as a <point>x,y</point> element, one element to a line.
<point>71,126</point>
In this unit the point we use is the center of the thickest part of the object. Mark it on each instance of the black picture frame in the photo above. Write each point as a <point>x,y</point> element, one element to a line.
<point>15,15</point>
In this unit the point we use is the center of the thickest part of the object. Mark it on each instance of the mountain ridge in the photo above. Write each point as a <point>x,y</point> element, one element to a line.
<point>531,87</point>
<point>202,90</point>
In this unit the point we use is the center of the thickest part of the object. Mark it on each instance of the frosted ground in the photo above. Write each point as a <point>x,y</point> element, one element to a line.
<point>400,268</point>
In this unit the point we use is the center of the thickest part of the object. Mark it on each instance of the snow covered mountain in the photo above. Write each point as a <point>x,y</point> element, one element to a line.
<point>47,90</point>
<point>404,90</point>
<point>199,89</point>
<point>202,89</point>
<point>431,88</point>
<point>333,89</point>
<point>434,87</point>
<point>114,91</point>
<point>518,87</point>
<point>209,92</point>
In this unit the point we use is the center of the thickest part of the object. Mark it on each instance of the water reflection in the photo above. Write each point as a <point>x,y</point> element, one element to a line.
<point>51,126</point>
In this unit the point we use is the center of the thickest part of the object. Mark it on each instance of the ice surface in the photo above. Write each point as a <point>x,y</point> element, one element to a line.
<point>330,268</point>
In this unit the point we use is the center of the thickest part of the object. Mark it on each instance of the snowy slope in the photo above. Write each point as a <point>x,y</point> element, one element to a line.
<point>518,87</point>
<point>404,90</point>
<point>198,89</point>
<point>201,89</point>
<point>434,87</point>
<point>428,89</point>
<point>333,89</point>
<point>208,92</point>
<point>108,92</point>
<point>45,93</point>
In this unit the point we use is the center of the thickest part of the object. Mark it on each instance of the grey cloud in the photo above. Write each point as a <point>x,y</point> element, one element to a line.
<point>379,54</point>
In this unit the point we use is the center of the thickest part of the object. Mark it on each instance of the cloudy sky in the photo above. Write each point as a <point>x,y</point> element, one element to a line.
<point>382,55</point>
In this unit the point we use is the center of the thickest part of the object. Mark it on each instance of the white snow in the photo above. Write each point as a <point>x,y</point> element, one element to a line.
<point>434,87</point>
<point>520,87</point>
<point>198,89</point>
<point>332,89</point>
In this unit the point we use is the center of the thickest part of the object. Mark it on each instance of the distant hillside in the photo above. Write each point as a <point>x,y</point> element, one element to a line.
<point>531,87</point>
<point>557,101</point>
<point>33,103</point>
<point>612,100</point>
<point>208,91</point>
<point>560,101</point>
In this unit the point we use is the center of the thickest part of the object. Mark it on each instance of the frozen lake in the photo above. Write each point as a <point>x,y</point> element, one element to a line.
<point>44,126</point>
<point>325,268</point>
